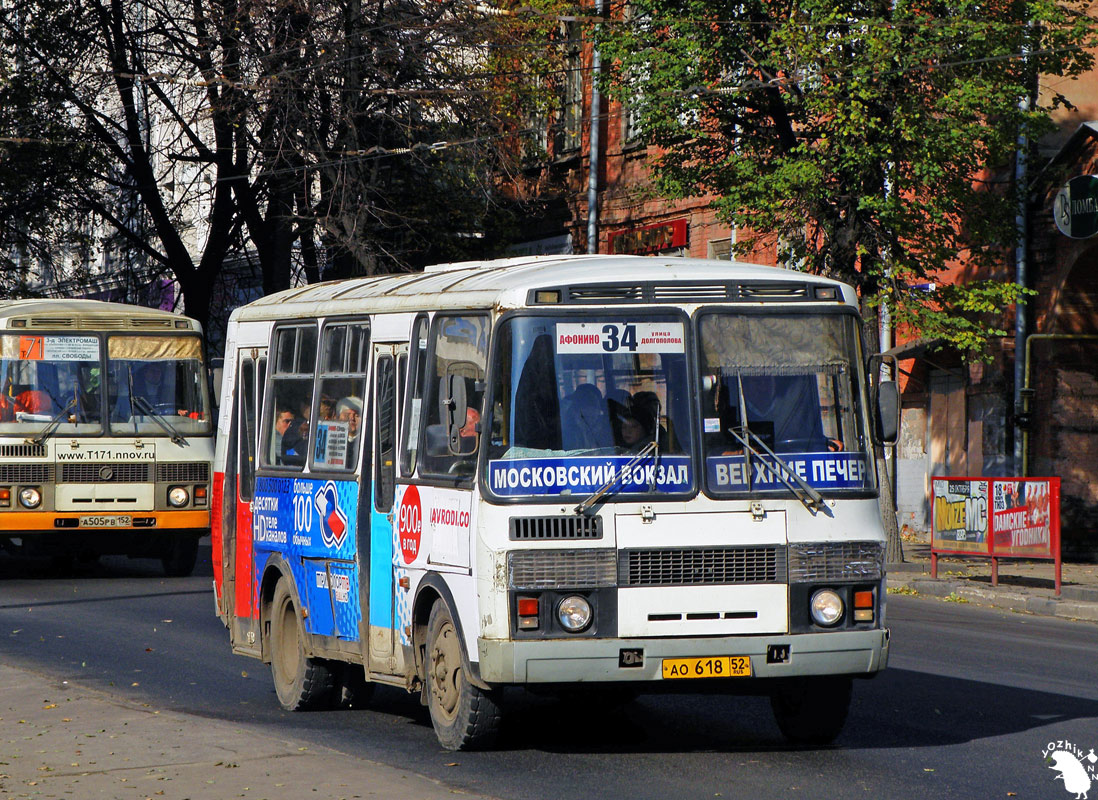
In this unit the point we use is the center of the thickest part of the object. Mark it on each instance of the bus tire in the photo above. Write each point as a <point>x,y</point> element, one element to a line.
<point>301,683</point>
<point>464,716</point>
<point>812,710</point>
<point>181,557</point>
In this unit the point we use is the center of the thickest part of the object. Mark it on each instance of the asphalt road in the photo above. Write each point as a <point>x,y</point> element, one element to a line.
<point>969,703</point>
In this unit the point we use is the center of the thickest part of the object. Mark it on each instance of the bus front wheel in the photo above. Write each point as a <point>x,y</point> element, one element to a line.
<point>812,710</point>
<point>301,683</point>
<point>181,556</point>
<point>464,716</point>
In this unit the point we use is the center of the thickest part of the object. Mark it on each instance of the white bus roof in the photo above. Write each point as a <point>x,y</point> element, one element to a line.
<point>59,314</point>
<point>585,279</point>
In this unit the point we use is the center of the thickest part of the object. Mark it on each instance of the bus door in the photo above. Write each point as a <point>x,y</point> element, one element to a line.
<point>240,589</point>
<point>377,507</point>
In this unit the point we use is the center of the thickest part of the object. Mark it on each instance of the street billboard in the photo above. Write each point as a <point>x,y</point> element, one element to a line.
<point>996,518</point>
<point>1001,517</point>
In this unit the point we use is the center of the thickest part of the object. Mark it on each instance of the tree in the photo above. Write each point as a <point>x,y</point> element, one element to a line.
<point>872,140</point>
<point>295,134</point>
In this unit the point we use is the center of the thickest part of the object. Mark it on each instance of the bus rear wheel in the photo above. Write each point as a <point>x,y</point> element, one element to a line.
<point>812,710</point>
<point>301,683</point>
<point>465,717</point>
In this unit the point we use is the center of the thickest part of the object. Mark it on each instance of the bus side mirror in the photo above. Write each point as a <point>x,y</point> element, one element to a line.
<point>886,394</point>
<point>217,374</point>
<point>453,409</point>
<point>888,412</point>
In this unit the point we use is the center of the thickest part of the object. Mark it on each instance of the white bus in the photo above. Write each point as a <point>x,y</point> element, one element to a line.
<point>106,432</point>
<point>617,473</point>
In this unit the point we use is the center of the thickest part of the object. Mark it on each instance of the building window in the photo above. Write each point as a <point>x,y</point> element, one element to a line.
<point>570,124</point>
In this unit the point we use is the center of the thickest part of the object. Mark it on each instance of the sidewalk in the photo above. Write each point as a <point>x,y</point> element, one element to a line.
<point>1023,586</point>
<point>58,741</point>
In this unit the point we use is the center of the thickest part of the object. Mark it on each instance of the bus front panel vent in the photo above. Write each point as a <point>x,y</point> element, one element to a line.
<point>553,528</point>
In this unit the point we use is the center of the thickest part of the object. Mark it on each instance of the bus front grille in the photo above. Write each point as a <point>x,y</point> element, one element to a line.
<point>183,472</point>
<point>701,566</point>
<point>106,473</point>
<point>26,473</point>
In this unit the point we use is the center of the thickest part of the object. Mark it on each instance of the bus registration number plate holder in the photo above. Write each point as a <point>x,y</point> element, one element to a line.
<point>104,521</point>
<point>707,667</point>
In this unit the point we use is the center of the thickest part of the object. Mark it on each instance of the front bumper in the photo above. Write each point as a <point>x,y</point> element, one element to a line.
<point>595,660</point>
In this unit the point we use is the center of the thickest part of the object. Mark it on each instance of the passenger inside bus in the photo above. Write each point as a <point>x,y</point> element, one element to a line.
<point>21,399</point>
<point>586,420</point>
<point>151,384</point>
<point>637,429</point>
<point>287,441</point>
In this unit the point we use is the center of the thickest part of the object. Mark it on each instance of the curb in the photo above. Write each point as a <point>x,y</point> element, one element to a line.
<point>1075,602</point>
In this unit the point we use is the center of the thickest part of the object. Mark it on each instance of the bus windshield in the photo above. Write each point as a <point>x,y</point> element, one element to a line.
<point>49,385</point>
<point>578,401</point>
<point>786,384</point>
<point>156,386</point>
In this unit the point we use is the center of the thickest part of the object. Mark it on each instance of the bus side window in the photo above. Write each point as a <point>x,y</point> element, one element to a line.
<point>339,412</point>
<point>285,440</point>
<point>385,439</point>
<point>417,377</point>
<point>246,459</point>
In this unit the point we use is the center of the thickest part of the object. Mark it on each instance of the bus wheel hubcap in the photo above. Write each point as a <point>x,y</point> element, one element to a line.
<point>445,669</point>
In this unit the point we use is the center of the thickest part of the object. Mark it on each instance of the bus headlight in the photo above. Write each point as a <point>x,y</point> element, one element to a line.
<point>177,496</point>
<point>574,613</point>
<point>30,497</point>
<point>826,607</point>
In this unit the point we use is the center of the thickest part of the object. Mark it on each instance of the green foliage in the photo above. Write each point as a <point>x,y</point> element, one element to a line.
<point>872,139</point>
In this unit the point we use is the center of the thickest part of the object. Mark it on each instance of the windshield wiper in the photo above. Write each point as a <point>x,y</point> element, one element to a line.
<point>149,411</point>
<point>53,424</point>
<point>651,447</point>
<point>813,500</point>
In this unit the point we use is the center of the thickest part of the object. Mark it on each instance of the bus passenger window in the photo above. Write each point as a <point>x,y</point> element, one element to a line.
<point>340,407</point>
<point>286,431</point>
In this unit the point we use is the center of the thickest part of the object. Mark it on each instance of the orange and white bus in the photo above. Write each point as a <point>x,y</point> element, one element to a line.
<point>106,432</point>
<point>609,472</point>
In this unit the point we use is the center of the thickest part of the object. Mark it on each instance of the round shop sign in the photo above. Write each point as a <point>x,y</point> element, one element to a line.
<point>1076,207</point>
<point>410,524</point>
